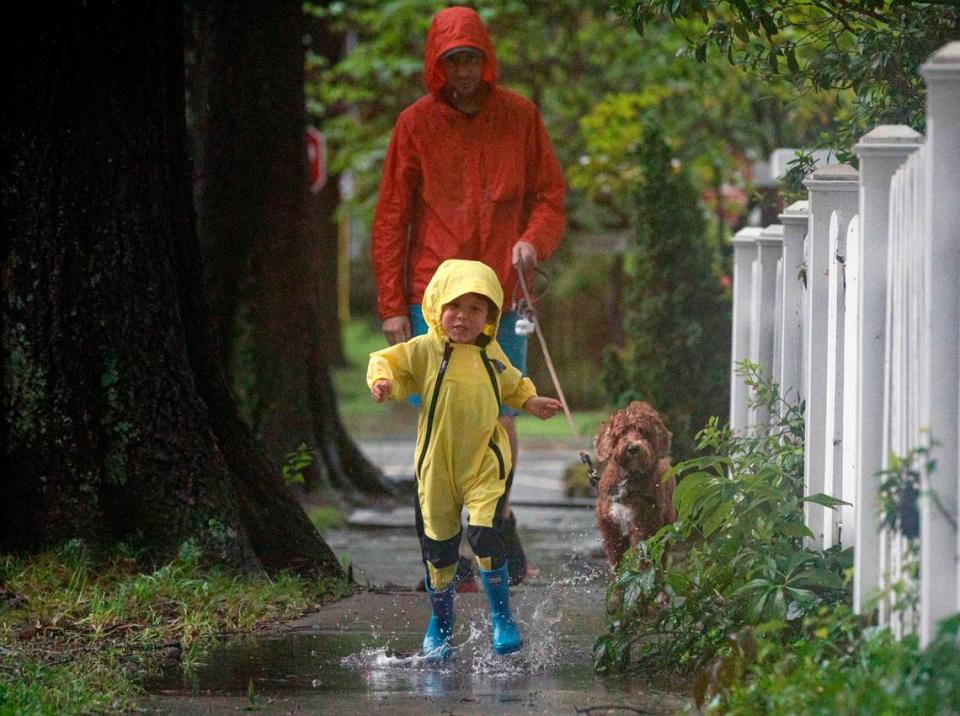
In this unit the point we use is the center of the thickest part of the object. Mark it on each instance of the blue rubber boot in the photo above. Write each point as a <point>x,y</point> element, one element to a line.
<point>506,637</point>
<point>436,642</point>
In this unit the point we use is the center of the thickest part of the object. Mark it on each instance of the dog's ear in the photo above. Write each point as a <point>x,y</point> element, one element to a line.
<point>605,441</point>
<point>664,440</point>
<point>661,436</point>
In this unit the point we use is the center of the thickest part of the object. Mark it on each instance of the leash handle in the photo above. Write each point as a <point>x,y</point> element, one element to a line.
<point>546,353</point>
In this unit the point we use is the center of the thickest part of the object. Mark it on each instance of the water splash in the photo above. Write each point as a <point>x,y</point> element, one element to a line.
<point>474,654</point>
<point>542,612</point>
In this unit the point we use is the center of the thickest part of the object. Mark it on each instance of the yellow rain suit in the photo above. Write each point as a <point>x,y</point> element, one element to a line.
<point>462,456</point>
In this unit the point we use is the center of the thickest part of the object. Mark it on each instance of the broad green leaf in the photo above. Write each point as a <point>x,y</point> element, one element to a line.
<point>716,518</point>
<point>821,578</point>
<point>825,500</point>
<point>792,529</point>
<point>690,489</point>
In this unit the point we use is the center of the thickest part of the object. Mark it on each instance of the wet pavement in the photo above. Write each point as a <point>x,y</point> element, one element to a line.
<point>358,655</point>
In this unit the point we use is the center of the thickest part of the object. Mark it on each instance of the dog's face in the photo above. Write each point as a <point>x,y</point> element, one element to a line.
<point>635,453</point>
<point>635,440</point>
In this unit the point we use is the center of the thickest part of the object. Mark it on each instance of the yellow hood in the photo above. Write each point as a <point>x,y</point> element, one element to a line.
<point>455,277</point>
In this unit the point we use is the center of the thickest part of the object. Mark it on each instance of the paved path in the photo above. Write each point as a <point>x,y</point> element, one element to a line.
<point>538,474</point>
<point>352,656</point>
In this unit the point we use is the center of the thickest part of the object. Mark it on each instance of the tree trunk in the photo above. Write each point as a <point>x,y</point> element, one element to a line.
<point>117,423</point>
<point>265,270</point>
<point>323,230</point>
<point>325,42</point>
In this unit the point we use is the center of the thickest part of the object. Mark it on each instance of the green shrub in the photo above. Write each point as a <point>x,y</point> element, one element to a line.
<point>840,666</point>
<point>676,315</point>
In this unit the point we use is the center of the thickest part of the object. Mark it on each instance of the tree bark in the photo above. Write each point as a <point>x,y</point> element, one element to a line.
<point>265,269</point>
<point>326,42</point>
<point>117,423</point>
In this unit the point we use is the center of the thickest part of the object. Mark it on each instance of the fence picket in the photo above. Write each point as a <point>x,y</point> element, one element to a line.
<point>832,188</point>
<point>794,219</point>
<point>744,253</point>
<point>881,151</point>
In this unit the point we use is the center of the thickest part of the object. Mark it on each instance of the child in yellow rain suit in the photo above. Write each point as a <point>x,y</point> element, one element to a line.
<point>462,456</point>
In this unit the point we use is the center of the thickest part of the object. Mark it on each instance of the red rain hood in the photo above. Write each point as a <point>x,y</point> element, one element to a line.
<point>456,27</point>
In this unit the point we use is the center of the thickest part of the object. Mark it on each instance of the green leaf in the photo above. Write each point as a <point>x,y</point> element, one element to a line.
<point>792,63</point>
<point>753,585</point>
<point>779,606</point>
<point>801,595</point>
<point>821,578</point>
<point>772,61</point>
<point>717,462</point>
<point>798,559</point>
<point>792,529</point>
<point>769,24</point>
<point>677,581</point>
<point>689,491</point>
<point>825,500</point>
<point>717,518</point>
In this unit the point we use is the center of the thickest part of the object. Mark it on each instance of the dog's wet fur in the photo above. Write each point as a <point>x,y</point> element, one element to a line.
<point>634,499</point>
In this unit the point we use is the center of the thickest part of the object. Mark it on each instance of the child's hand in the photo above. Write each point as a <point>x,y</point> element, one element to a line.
<point>543,408</point>
<point>381,390</point>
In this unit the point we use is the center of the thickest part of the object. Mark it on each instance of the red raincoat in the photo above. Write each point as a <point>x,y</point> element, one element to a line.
<point>466,187</point>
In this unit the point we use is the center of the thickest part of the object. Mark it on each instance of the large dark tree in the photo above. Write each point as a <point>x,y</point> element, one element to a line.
<point>116,422</point>
<point>265,268</point>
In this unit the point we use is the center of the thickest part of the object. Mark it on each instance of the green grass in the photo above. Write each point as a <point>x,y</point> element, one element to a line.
<point>360,338</point>
<point>79,631</point>
<point>364,417</point>
<point>557,428</point>
<point>325,517</point>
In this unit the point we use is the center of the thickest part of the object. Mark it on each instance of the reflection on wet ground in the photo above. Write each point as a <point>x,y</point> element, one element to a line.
<point>359,655</point>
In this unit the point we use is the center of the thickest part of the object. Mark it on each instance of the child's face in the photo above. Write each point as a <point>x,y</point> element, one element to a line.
<point>464,317</point>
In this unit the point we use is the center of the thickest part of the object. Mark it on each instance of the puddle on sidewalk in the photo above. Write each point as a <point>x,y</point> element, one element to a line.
<point>359,654</point>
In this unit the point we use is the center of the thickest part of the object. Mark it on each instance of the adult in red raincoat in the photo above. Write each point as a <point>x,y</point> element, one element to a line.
<point>469,174</point>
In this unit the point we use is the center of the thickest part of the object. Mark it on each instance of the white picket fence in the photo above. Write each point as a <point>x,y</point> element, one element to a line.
<point>870,341</point>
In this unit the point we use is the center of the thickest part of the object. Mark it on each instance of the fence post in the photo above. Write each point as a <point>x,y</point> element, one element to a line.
<point>939,590</point>
<point>906,358</point>
<point>794,219</point>
<point>769,250</point>
<point>835,379</point>
<point>850,416</point>
<point>744,253</point>
<point>832,188</point>
<point>881,151</point>
<point>778,326</point>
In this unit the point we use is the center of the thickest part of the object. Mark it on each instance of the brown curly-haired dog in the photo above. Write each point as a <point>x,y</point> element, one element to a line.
<point>634,500</point>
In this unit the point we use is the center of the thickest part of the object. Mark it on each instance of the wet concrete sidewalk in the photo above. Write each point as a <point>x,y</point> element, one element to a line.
<point>356,656</point>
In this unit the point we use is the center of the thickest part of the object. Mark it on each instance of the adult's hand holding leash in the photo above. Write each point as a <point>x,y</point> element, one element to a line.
<point>524,256</point>
<point>532,316</point>
<point>396,329</point>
